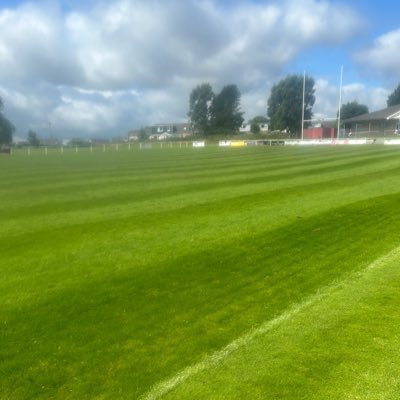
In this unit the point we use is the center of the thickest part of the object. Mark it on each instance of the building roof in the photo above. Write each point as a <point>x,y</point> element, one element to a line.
<point>392,112</point>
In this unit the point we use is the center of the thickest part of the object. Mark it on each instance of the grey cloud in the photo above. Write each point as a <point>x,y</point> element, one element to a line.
<point>33,47</point>
<point>114,65</point>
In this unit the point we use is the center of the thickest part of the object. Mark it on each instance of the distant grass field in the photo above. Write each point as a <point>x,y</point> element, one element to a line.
<point>257,273</point>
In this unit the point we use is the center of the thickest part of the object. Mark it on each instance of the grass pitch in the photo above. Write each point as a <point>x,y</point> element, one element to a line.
<point>122,270</point>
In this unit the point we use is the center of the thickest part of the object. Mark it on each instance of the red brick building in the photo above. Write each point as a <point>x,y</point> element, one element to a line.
<point>319,133</point>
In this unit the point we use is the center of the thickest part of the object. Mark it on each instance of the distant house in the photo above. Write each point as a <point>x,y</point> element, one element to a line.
<point>177,130</point>
<point>133,135</point>
<point>246,128</point>
<point>384,122</point>
<point>165,136</point>
<point>51,142</point>
<point>17,141</point>
<point>163,131</point>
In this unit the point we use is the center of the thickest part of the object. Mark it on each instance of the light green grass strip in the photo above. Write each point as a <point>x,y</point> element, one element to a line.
<point>164,387</point>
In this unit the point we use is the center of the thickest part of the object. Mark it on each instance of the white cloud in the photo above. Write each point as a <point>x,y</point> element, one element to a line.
<point>310,21</point>
<point>375,97</point>
<point>327,97</point>
<point>126,63</point>
<point>254,102</point>
<point>73,114</point>
<point>383,57</point>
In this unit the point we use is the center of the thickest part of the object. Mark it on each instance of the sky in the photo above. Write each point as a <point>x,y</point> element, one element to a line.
<point>100,68</point>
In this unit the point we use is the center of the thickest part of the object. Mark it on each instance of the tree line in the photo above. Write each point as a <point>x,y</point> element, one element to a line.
<point>211,113</point>
<point>6,128</point>
<point>219,113</point>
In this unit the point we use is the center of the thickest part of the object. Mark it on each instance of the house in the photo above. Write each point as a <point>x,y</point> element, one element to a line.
<point>384,122</point>
<point>163,131</point>
<point>50,142</point>
<point>165,136</point>
<point>177,130</point>
<point>246,128</point>
<point>20,142</point>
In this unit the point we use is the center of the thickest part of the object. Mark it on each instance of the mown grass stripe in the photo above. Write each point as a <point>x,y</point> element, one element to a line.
<point>135,276</point>
<point>164,387</point>
<point>216,198</point>
<point>71,302</point>
<point>132,186</point>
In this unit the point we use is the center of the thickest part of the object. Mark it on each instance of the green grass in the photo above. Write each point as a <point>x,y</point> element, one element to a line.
<point>120,270</point>
<point>341,344</point>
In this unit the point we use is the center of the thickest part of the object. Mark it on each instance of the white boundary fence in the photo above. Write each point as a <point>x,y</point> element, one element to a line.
<point>390,142</point>
<point>327,142</point>
<point>127,147</point>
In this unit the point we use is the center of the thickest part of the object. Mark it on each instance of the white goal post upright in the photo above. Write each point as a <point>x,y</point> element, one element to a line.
<point>340,102</point>
<point>321,119</point>
<point>302,106</point>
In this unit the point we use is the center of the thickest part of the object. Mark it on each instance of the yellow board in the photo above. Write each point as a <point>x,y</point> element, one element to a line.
<point>238,143</point>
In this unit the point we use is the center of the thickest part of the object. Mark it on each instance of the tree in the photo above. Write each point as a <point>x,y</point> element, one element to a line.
<point>352,109</point>
<point>254,127</point>
<point>6,128</point>
<point>394,98</point>
<point>225,110</point>
<point>142,136</point>
<point>33,139</point>
<point>259,119</point>
<point>255,123</point>
<point>285,103</point>
<point>199,108</point>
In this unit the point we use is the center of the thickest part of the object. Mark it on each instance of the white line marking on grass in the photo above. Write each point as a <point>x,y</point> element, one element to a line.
<point>163,387</point>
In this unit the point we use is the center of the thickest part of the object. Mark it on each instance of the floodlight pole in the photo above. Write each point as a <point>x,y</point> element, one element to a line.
<point>302,107</point>
<point>340,101</point>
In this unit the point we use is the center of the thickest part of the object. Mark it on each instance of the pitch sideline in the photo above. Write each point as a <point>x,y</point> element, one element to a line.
<point>162,388</point>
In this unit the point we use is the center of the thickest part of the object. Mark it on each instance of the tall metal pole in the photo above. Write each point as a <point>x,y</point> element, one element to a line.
<point>340,101</point>
<point>302,108</point>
